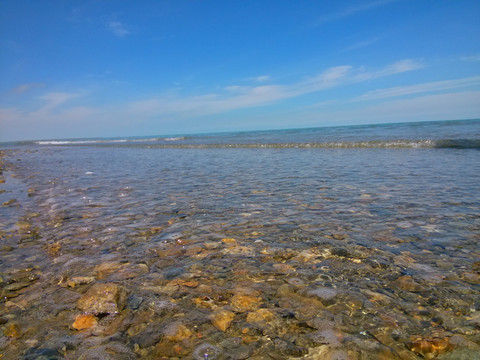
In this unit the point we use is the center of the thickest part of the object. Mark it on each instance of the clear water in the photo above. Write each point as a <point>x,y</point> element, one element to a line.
<point>392,230</point>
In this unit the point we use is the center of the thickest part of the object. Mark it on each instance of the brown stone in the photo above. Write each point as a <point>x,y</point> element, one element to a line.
<point>107,268</point>
<point>230,242</point>
<point>407,283</point>
<point>84,321</point>
<point>260,316</point>
<point>103,298</point>
<point>177,332</point>
<point>12,330</point>
<point>430,347</point>
<point>472,278</point>
<point>222,319</point>
<point>187,283</point>
<point>284,268</point>
<point>80,280</point>
<point>242,303</point>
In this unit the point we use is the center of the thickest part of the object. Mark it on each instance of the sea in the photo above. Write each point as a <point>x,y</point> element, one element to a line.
<point>348,242</point>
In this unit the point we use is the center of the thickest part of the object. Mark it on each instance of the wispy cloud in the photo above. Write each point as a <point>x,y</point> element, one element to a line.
<point>361,44</point>
<point>473,58</point>
<point>238,97</point>
<point>448,106</point>
<point>60,107</point>
<point>351,10</point>
<point>344,75</point>
<point>26,87</point>
<point>117,28</point>
<point>55,99</point>
<point>262,78</point>
<point>420,88</point>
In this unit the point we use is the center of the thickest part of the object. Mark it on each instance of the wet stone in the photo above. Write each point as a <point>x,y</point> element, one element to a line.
<point>17,286</point>
<point>324,294</point>
<point>408,284</point>
<point>84,321</point>
<point>430,347</point>
<point>242,303</point>
<point>239,251</point>
<point>222,319</point>
<point>235,349</point>
<point>106,298</point>
<point>42,354</point>
<point>149,336</point>
<point>12,330</point>
<point>340,251</point>
<point>287,348</point>
<point>177,332</point>
<point>207,351</point>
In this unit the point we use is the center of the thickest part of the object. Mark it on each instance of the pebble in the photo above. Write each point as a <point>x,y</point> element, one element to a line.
<point>326,295</point>
<point>235,349</point>
<point>408,284</point>
<point>105,298</point>
<point>260,316</point>
<point>12,330</point>
<point>16,286</point>
<point>177,332</point>
<point>207,351</point>
<point>243,303</point>
<point>36,353</point>
<point>230,242</point>
<point>222,319</point>
<point>239,251</point>
<point>84,321</point>
<point>430,348</point>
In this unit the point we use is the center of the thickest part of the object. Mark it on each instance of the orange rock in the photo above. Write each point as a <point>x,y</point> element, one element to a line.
<point>204,302</point>
<point>177,332</point>
<point>430,348</point>
<point>222,319</point>
<point>260,316</point>
<point>53,249</point>
<point>229,242</point>
<point>12,330</point>
<point>242,303</point>
<point>191,284</point>
<point>84,321</point>
<point>107,268</point>
<point>106,298</point>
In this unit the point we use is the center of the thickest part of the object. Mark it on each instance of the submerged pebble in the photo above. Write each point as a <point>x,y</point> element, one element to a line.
<point>105,298</point>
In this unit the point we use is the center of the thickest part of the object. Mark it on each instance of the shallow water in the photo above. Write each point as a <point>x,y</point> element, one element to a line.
<point>241,253</point>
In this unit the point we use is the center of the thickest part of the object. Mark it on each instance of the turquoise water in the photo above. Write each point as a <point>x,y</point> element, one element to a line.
<point>362,245</point>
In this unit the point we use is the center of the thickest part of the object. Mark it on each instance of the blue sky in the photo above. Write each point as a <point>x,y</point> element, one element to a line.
<point>93,68</point>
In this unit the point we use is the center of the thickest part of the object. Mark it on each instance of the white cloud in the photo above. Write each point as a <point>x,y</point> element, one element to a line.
<point>420,88</point>
<point>262,78</point>
<point>352,10</point>
<point>117,28</point>
<point>449,106</point>
<point>55,99</point>
<point>26,87</point>
<point>473,58</point>
<point>58,108</point>
<point>461,105</point>
<point>238,97</point>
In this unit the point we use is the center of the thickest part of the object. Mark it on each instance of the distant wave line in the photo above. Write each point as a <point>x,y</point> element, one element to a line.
<point>371,144</point>
<point>101,141</point>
